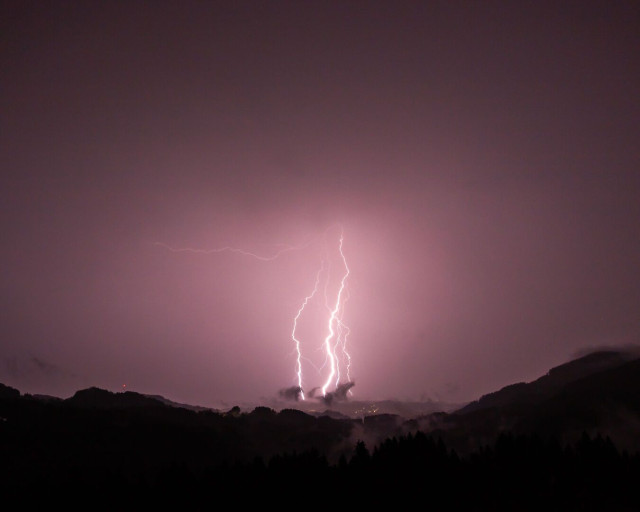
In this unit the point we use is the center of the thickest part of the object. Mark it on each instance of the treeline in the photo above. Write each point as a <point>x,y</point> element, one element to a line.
<point>94,453</point>
<point>515,473</point>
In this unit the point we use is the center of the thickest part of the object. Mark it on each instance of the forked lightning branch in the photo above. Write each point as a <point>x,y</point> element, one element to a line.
<point>335,373</point>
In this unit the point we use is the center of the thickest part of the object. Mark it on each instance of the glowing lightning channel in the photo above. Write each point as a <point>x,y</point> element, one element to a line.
<point>345,353</point>
<point>345,328</point>
<point>333,318</point>
<point>295,325</point>
<point>336,327</point>
<point>343,332</point>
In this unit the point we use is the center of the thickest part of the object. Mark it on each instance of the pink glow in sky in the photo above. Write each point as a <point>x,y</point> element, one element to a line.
<point>481,157</point>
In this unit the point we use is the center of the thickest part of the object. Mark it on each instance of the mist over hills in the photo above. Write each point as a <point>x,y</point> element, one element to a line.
<point>599,391</point>
<point>596,393</point>
<point>134,443</point>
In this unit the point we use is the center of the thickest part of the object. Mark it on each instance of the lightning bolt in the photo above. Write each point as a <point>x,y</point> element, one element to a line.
<point>343,331</point>
<point>335,342</point>
<point>345,353</point>
<point>295,325</point>
<point>334,319</point>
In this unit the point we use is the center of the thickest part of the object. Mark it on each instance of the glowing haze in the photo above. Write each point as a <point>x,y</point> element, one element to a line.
<point>334,347</point>
<point>441,198</point>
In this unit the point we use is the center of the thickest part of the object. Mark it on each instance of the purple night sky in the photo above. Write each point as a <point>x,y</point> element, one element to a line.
<point>482,158</point>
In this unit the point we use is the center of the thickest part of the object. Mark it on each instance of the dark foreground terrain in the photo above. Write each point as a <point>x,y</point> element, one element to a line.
<point>564,442</point>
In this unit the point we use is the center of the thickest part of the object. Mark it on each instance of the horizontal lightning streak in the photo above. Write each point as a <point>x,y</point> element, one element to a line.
<point>336,327</point>
<point>285,248</point>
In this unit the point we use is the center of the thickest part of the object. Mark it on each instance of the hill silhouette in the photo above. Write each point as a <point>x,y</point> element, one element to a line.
<point>100,398</point>
<point>554,443</point>
<point>597,393</point>
<point>8,393</point>
<point>553,381</point>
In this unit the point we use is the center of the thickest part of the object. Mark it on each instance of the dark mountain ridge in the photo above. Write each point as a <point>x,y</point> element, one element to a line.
<point>520,448</point>
<point>551,383</point>
<point>597,394</point>
<point>103,399</point>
